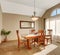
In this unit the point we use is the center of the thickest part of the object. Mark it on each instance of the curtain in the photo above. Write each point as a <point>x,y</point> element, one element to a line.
<point>54,24</point>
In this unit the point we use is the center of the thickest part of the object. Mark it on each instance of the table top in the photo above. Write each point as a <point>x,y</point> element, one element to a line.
<point>31,36</point>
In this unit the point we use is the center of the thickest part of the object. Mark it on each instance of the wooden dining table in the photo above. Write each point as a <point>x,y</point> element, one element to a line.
<point>29,38</point>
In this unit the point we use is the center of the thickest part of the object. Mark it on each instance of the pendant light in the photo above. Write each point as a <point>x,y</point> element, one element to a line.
<point>34,17</point>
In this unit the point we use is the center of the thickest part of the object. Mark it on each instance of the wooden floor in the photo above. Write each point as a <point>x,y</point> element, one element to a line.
<point>10,48</point>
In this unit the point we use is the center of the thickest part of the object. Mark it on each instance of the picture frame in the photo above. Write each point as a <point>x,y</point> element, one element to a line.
<point>27,24</point>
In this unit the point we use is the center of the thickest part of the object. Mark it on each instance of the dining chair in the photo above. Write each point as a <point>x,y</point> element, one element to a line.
<point>41,38</point>
<point>48,37</point>
<point>32,31</point>
<point>34,41</point>
<point>20,40</point>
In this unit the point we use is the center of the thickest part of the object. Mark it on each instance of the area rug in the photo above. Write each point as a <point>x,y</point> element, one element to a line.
<point>47,49</point>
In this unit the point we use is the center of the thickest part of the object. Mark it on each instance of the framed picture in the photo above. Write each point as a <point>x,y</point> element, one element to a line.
<point>27,24</point>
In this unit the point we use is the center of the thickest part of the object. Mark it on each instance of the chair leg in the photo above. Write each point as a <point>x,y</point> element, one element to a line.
<point>18,44</point>
<point>51,40</point>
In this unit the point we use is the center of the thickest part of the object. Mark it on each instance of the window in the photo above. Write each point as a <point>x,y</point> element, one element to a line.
<point>55,12</point>
<point>50,24</point>
<point>54,25</point>
<point>58,11</point>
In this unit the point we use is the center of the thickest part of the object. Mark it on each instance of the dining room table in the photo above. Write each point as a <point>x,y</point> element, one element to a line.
<point>29,38</point>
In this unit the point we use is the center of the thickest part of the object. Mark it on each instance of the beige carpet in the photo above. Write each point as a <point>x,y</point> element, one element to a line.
<point>47,49</point>
<point>55,51</point>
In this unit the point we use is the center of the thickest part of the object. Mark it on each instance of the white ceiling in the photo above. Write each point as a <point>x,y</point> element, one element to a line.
<point>39,3</point>
<point>42,5</point>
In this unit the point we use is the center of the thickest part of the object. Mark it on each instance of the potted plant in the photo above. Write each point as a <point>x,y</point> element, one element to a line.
<point>5,33</point>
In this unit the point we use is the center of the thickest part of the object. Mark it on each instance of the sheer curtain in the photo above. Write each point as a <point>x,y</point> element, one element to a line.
<point>54,24</point>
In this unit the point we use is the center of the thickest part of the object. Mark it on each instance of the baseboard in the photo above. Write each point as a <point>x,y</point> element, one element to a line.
<point>8,41</point>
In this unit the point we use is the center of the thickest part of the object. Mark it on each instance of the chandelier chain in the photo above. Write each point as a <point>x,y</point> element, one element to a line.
<point>34,5</point>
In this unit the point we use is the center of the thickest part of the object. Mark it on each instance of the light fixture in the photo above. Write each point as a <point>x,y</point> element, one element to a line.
<point>34,17</point>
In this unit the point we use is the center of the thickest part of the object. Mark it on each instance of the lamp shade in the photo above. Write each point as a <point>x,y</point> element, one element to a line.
<point>34,18</point>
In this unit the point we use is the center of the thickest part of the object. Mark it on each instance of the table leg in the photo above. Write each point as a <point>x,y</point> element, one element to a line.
<point>28,44</point>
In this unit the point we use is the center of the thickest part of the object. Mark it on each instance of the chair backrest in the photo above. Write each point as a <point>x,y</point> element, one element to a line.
<point>42,36</point>
<point>32,31</point>
<point>50,31</point>
<point>41,32</point>
<point>17,32</point>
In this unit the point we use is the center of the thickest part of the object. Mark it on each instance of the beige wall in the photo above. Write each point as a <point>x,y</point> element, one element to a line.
<point>0,22</point>
<point>41,23</point>
<point>11,22</point>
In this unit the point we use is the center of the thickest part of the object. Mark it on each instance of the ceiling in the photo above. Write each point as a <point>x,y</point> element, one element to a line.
<point>40,4</point>
<point>46,4</point>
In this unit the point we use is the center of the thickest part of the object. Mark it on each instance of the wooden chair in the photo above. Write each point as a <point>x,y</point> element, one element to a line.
<point>20,41</point>
<point>41,39</point>
<point>33,40</point>
<point>32,31</point>
<point>49,36</point>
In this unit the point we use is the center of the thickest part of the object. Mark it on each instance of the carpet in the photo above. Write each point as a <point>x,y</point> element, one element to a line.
<point>47,49</point>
